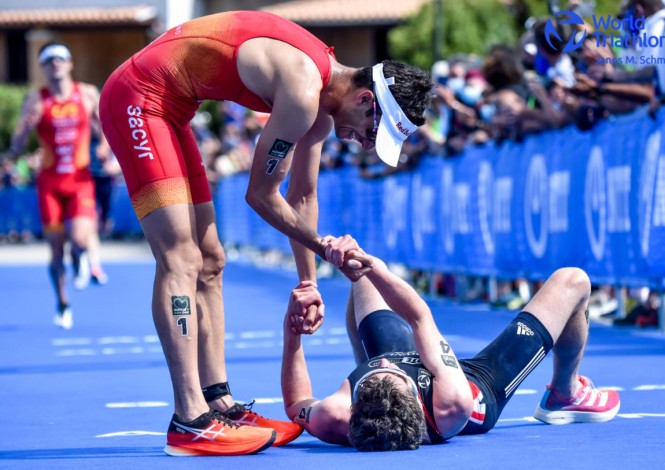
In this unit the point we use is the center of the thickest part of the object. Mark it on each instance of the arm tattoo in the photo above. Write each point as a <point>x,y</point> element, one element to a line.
<point>279,150</point>
<point>304,414</point>
<point>447,357</point>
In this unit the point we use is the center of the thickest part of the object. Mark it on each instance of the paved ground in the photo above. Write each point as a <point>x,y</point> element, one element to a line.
<point>98,396</point>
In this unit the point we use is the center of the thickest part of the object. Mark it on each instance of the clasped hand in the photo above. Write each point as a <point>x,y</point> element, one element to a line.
<point>306,308</point>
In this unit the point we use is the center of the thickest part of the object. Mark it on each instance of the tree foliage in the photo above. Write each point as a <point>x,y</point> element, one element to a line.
<point>470,26</point>
<point>11,98</point>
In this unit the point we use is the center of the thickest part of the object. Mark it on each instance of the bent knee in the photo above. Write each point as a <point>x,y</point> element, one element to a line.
<point>214,259</point>
<point>184,258</point>
<point>574,279</point>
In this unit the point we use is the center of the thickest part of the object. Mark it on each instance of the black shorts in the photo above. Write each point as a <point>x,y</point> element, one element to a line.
<point>382,332</point>
<point>504,364</point>
<point>498,370</point>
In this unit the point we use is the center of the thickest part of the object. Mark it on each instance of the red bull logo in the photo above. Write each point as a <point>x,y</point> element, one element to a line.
<point>400,127</point>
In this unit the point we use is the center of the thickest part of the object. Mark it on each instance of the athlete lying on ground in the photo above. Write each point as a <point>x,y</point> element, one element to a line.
<point>410,388</point>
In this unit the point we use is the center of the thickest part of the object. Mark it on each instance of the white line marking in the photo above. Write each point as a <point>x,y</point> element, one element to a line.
<point>71,341</point>
<point>265,401</point>
<point>257,334</point>
<point>641,388</point>
<point>248,345</point>
<point>132,433</point>
<point>137,404</point>
<point>118,340</point>
<point>76,352</point>
<point>336,341</point>
<point>338,331</point>
<point>526,391</point>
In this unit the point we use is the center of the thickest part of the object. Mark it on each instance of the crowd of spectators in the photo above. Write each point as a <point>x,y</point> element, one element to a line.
<point>512,91</point>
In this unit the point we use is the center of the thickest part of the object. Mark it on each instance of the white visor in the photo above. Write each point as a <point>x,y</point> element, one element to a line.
<point>55,51</point>
<point>394,126</point>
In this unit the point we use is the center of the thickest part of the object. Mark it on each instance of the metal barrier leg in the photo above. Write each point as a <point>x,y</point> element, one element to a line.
<point>620,293</point>
<point>492,293</point>
<point>661,312</point>
<point>432,284</point>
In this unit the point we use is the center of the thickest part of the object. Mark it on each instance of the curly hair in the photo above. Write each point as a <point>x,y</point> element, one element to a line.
<point>501,67</point>
<point>412,89</point>
<point>385,418</point>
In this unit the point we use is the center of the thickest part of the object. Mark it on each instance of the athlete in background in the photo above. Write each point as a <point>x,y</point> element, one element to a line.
<point>62,113</point>
<point>267,64</point>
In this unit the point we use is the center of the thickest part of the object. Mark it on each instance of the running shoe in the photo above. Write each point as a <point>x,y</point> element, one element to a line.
<point>98,276</point>
<point>589,405</point>
<point>81,272</point>
<point>212,434</point>
<point>287,431</point>
<point>64,318</point>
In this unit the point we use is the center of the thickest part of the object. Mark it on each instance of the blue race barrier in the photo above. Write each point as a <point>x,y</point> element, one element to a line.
<point>595,200</point>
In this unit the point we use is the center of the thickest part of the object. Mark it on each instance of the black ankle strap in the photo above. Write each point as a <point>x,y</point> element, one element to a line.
<point>213,392</point>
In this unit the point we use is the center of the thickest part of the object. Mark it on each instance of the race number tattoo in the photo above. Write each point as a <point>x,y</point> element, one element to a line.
<point>447,356</point>
<point>304,414</point>
<point>586,315</point>
<point>279,150</point>
<point>180,305</point>
<point>182,323</point>
<point>272,164</point>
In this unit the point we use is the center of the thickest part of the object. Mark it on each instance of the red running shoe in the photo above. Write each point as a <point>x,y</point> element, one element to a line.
<point>287,431</point>
<point>211,434</point>
<point>589,405</point>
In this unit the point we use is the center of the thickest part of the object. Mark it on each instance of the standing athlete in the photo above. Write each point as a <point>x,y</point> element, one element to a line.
<point>267,64</point>
<point>63,113</point>
<point>410,388</point>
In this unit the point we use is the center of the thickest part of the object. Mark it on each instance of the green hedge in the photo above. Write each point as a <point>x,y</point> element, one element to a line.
<point>11,98</point>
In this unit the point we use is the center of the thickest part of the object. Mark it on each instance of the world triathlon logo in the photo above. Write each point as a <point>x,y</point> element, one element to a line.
<point>576,40</point>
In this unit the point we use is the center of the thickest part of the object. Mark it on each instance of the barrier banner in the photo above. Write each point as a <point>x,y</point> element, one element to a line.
<point>593,199</point>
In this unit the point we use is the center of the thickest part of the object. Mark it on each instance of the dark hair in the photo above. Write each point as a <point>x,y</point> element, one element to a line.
<point>52,43</point>
<point>650,6</point>
<point>502,67</point>
<point>385,418</point>
<point>412,89</point>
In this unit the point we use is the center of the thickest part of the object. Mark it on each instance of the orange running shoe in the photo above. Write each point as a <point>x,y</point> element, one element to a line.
<point>287,431</point>
<point>211,434</point>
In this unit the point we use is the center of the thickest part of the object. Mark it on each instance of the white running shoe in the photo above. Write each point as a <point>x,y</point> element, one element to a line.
<point>83,275</point>
<point>65,319</point>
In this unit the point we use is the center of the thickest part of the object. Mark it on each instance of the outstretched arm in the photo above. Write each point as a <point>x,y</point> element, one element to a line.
<point>452,396</point>
<point>31,113</point>
<point>324,419</point>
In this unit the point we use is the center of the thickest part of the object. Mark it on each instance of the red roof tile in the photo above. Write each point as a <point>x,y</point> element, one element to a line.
<point>138,15</point>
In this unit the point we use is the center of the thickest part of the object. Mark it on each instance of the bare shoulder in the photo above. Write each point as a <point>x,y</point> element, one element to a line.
<point>329,420</point>
<point>270,67</point>
<point>32,102</point>
<point>89,90</point>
